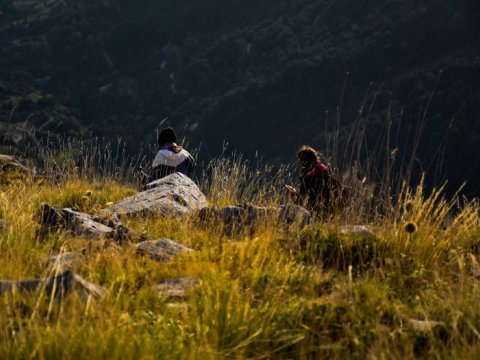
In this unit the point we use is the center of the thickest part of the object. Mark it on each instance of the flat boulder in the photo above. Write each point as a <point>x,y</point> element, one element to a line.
<point>161,250</point>
<point>175,195</point>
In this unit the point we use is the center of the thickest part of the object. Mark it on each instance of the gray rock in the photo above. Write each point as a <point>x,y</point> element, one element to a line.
<point>59,286</point>
<point>161,250</point>
<point>79,224</point>
<point>292,214</point>
<point>9,163</point>
<point>82,225</point>
<point>64,261</point>
<point>236,219</point>
<point>240,218</point>
<point>175,195</point>
<point>177,288</point>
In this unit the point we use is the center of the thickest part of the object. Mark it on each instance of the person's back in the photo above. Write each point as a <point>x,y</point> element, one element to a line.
<point>314,189</point>
<point>171,157</point>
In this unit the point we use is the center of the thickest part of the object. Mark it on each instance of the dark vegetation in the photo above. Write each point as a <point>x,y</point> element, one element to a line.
<point>263,75</point>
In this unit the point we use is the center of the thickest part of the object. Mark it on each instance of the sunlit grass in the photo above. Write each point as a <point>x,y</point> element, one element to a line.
<point>270,293</point>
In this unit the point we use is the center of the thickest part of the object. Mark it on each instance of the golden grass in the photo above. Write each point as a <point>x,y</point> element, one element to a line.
<point>275,294</point>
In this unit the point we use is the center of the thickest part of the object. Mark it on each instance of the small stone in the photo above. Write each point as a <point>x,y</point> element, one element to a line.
<point>295,215</point>
<point>473,266</point>
<point>359,230</point>
<point>177,288</point>
<point>3,224</point>
<point>424,325</point>
<point>161,250</point>
<point>63,261</point>
<point>180,307</point>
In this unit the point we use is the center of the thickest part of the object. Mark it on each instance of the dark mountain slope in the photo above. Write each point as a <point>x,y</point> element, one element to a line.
<point>258,74</point>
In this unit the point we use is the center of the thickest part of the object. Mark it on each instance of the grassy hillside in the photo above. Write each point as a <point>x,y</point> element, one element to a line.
<point>410,290</point>
<point>262,75</point>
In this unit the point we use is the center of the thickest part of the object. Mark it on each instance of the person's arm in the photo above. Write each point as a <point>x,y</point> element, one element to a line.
<point>290,189</point>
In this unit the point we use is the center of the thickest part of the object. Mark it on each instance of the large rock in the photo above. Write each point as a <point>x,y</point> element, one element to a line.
<point>79,224</point>
<point>248,218</point>
<point>161,250</point>
<point>58,286</point>
<point>175,195</point>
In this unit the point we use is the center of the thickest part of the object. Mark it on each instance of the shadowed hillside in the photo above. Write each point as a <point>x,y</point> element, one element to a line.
<point>262,75</point>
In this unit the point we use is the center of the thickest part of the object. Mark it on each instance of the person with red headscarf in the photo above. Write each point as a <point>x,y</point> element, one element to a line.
<point>318,190</point>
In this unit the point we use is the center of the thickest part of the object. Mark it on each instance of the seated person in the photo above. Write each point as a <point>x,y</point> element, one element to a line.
<point>171,157</point>
<point>318,190</point>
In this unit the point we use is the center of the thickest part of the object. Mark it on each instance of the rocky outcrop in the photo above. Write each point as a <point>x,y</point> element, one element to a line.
<point>175,195</point>
<point>248,218</point>
<point>161,250</point>
<point>57,286</point>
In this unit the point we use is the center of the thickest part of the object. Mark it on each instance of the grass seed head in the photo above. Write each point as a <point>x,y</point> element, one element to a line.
<point>410,227</point>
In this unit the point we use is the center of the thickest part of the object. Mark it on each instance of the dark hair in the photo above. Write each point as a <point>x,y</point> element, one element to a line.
<point>166,136</point>
<point>308,157</point>
<point>307,153</point>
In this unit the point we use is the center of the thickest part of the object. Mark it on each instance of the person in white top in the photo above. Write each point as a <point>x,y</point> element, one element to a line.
<point>171,157</point>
